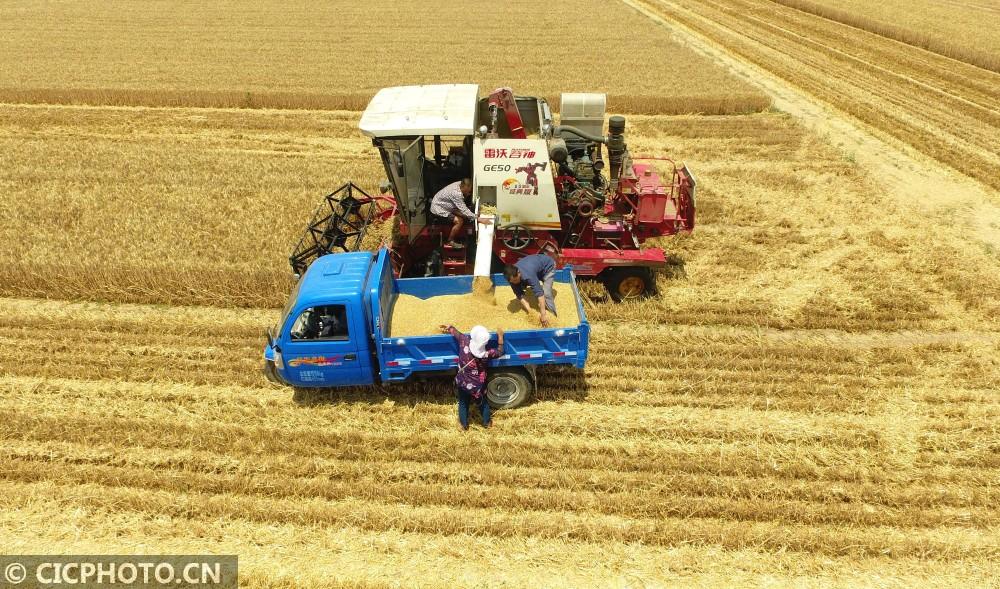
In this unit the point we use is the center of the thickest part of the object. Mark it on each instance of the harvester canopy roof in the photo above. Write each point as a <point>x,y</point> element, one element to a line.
<point>441,109</point>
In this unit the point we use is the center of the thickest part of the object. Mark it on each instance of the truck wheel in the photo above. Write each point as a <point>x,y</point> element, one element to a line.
<point>631,283</point>
<point>507,388</point>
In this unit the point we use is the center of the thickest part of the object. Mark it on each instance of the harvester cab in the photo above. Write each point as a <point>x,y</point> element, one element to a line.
<point>423,135</point>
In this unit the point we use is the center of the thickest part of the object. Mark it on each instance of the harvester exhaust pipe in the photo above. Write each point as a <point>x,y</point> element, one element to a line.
<point>615,140</point>
<point>616,148</point>
<point>559,129</point>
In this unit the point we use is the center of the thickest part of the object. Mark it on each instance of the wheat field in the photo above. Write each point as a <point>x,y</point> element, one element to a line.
<point>336,56</point>
<point>829,455</point>
<point>961,29</point>
<point>203,207</point>
<point>812,402</point>
<point>946,109</point>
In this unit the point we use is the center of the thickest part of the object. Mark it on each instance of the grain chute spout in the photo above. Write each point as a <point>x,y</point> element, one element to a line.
<point>484,248</point>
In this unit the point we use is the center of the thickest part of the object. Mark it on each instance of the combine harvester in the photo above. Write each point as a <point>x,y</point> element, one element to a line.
<point>545,182</point>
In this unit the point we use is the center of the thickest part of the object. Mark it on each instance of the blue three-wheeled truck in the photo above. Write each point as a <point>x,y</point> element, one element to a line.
<point>335,332</point>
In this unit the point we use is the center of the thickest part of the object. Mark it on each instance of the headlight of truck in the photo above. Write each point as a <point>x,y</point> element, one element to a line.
<point>278,362</point>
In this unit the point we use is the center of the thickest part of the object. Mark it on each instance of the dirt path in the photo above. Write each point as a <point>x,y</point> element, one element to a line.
<point>916,180</point>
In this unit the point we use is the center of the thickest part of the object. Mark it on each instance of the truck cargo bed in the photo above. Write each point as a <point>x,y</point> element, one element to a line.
<point>415,345</point>
<point>412,315</point>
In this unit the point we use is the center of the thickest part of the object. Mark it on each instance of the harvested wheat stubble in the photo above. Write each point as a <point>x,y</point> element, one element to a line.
<point>934,26</point>
<point>941,107</point>
<point>415,316</point>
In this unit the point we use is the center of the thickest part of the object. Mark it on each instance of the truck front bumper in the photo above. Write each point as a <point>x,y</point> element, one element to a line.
<point>271,373</point>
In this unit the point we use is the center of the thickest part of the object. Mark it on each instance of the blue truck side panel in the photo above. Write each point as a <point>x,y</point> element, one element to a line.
<point>364,283</point>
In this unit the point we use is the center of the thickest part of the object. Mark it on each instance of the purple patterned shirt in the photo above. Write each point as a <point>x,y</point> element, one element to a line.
<point>471,375</point>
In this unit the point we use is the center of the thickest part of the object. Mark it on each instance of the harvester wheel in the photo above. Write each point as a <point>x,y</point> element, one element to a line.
<point>626,284</point>
<point>507,388</point>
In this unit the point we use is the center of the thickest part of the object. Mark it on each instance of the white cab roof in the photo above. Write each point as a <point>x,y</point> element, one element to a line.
<point>441,109</point>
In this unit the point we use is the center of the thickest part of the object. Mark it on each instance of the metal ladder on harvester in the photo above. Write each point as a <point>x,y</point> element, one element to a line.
<point>454,260</point>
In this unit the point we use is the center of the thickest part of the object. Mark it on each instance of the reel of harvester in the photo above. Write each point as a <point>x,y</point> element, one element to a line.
<point>340,223</point>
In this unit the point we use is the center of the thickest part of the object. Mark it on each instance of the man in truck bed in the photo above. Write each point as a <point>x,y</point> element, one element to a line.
<point>539,272</point>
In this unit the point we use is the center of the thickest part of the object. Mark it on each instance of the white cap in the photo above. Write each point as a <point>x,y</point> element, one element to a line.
<point>478,337</point>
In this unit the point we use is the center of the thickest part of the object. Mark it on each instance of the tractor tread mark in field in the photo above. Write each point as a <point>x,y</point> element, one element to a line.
<point>944,108</point>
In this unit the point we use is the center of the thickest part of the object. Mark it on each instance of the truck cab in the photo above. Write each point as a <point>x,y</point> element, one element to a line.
<point>323,337</point>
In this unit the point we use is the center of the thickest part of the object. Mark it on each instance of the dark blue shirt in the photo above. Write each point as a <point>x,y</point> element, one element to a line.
<point>533,269</point>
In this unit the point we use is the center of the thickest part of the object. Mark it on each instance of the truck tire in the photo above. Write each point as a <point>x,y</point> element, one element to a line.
<point>507,388</point>
<point>629,283</point>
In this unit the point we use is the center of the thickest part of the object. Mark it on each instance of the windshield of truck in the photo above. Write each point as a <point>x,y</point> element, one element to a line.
<point>292,297</point>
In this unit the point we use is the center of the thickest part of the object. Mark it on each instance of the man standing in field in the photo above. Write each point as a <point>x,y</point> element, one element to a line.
<point>449,203</point>
<point>539,272</point>
<point>470,382</point>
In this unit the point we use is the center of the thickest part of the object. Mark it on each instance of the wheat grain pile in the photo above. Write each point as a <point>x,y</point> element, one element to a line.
<point>482,287</point>
<point>493,308</point>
